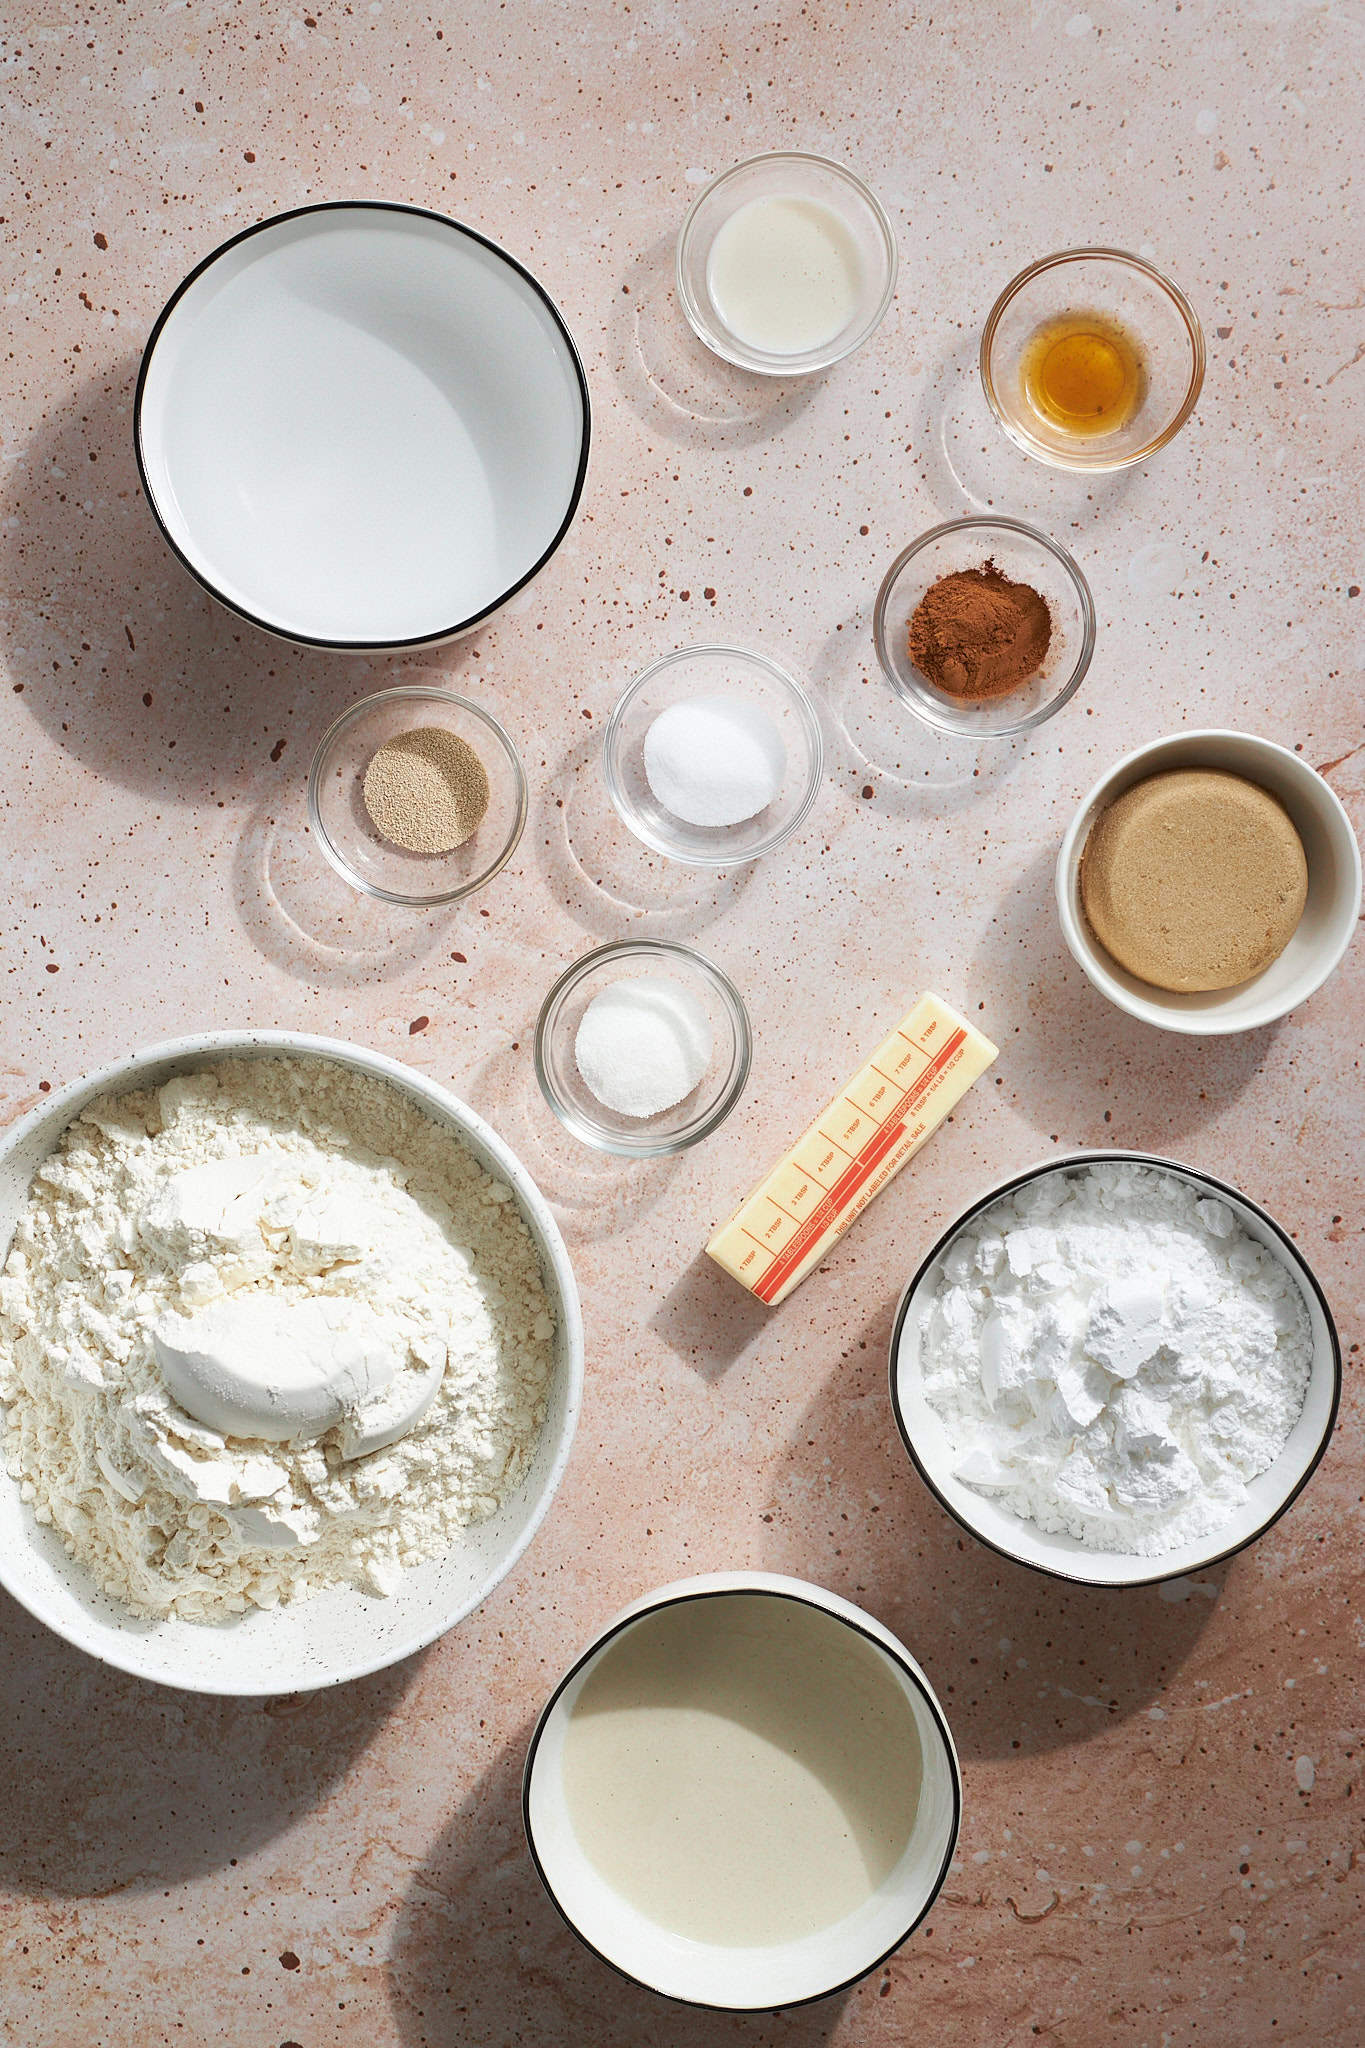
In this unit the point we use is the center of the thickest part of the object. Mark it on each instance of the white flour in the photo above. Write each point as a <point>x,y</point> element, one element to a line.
<point>367,1203</point>
<point>1113,1357</point>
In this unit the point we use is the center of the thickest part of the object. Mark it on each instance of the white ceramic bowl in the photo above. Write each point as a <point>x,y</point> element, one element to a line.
<point>743,1979</point>
<point>362,425</point>
<point>1065,1557</point>
<point>1330,914</point>
<point>338,1633</point>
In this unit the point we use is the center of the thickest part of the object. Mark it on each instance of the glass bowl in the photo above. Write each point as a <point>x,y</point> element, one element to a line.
<point>712,672</point>
<point>688,1121</point>
<point>787,174</point>
<point>341,824</point>
<point>1156,315</point>
<point>1024,555</point>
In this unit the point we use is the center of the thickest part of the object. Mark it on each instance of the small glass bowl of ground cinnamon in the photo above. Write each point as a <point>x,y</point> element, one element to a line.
<point>984,627</point>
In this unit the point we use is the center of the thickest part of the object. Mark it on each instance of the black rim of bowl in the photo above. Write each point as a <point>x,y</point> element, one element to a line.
<point>275,220</point>
<point>595,1649</point>
<point>1070,1161</point>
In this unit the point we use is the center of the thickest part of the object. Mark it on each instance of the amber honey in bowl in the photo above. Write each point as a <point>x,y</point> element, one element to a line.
<point>1083,374</point>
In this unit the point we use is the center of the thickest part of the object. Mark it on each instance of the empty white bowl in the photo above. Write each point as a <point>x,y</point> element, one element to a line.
<point>362,425</point>
<point>742,1978</point>
<point>1334,884</point>
<point>338,1633</point>
<point>1066,1557</point>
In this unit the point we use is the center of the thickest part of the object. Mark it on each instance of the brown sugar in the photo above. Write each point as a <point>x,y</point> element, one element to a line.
<point>977,635</point>
<point>1194,879</point>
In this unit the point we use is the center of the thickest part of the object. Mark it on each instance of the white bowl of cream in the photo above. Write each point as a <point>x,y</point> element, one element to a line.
<point>744,1793</point>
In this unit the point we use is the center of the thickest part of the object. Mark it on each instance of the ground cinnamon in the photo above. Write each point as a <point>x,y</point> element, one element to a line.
<point>976,635</point>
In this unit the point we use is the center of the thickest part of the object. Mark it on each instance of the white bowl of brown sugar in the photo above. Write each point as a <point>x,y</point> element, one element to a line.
<point>1219,864</point>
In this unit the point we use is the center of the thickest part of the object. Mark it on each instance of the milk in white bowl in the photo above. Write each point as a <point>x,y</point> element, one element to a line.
<point>744,1793</point>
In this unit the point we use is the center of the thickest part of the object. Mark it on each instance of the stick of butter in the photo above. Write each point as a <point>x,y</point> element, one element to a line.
<point>873,1125</point>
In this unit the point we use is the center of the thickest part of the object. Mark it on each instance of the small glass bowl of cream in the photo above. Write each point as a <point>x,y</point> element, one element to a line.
<point>343,823</point>
<point>1092,360</point>
<point>631,1025</point>
<point>713,756</point>
<point>786,263</point>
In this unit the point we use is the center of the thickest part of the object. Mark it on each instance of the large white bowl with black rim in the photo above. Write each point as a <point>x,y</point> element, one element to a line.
<point>337,1633</point>
<point>744,1978</point>
<point>362,425</point>
<point>1066,1557</point>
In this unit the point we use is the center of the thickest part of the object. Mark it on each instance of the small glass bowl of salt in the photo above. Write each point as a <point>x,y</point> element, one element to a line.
<point>642,1047</point>
<point>713,756</point>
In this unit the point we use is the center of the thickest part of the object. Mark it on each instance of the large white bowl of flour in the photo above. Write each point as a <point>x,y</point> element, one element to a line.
<point>1113,1425</point>
<point>338,1632</point>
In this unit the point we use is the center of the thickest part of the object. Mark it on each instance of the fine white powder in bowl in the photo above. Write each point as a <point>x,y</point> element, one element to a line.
<point>356,1202</point>
<point>714,761</point>
<point>1114,1357</point>
<point>643,1045</point>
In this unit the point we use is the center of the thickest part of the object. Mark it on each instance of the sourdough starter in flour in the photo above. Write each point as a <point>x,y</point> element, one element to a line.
<point>1114,1357</point>
<point>363,1203</point>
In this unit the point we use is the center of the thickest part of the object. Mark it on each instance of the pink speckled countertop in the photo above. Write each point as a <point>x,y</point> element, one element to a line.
<point>1162,1828</point>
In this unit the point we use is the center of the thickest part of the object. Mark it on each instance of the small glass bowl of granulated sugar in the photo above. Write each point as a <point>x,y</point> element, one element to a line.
<point>713,756</point>
<point>642,1047</point>
<point>416,796</point>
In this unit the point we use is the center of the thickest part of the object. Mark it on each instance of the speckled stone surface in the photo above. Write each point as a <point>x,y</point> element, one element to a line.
<point>1162,1816</point>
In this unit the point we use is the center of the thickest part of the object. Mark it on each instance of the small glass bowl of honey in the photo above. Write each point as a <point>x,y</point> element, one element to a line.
<point>1092,360</point>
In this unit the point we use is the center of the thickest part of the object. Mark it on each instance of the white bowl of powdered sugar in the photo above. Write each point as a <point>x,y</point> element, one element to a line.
<point>290,1358</point>
<point>1115,1368</point>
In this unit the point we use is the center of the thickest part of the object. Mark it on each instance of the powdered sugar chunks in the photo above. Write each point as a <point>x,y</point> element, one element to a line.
<point>1114,1357</point>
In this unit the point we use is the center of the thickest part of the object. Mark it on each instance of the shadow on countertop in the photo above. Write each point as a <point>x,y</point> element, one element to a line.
<point>608,879</point>
<point>479,1954</point>
<point>118,653</point>
<point>1075,1065</point>
<point>1022,1663</point>
<point>110,1784</point>
<point>675,384</point>
<point>708,1319</point>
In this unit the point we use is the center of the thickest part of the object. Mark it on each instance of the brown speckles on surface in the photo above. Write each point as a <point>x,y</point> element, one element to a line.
<point>158,1845</point>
